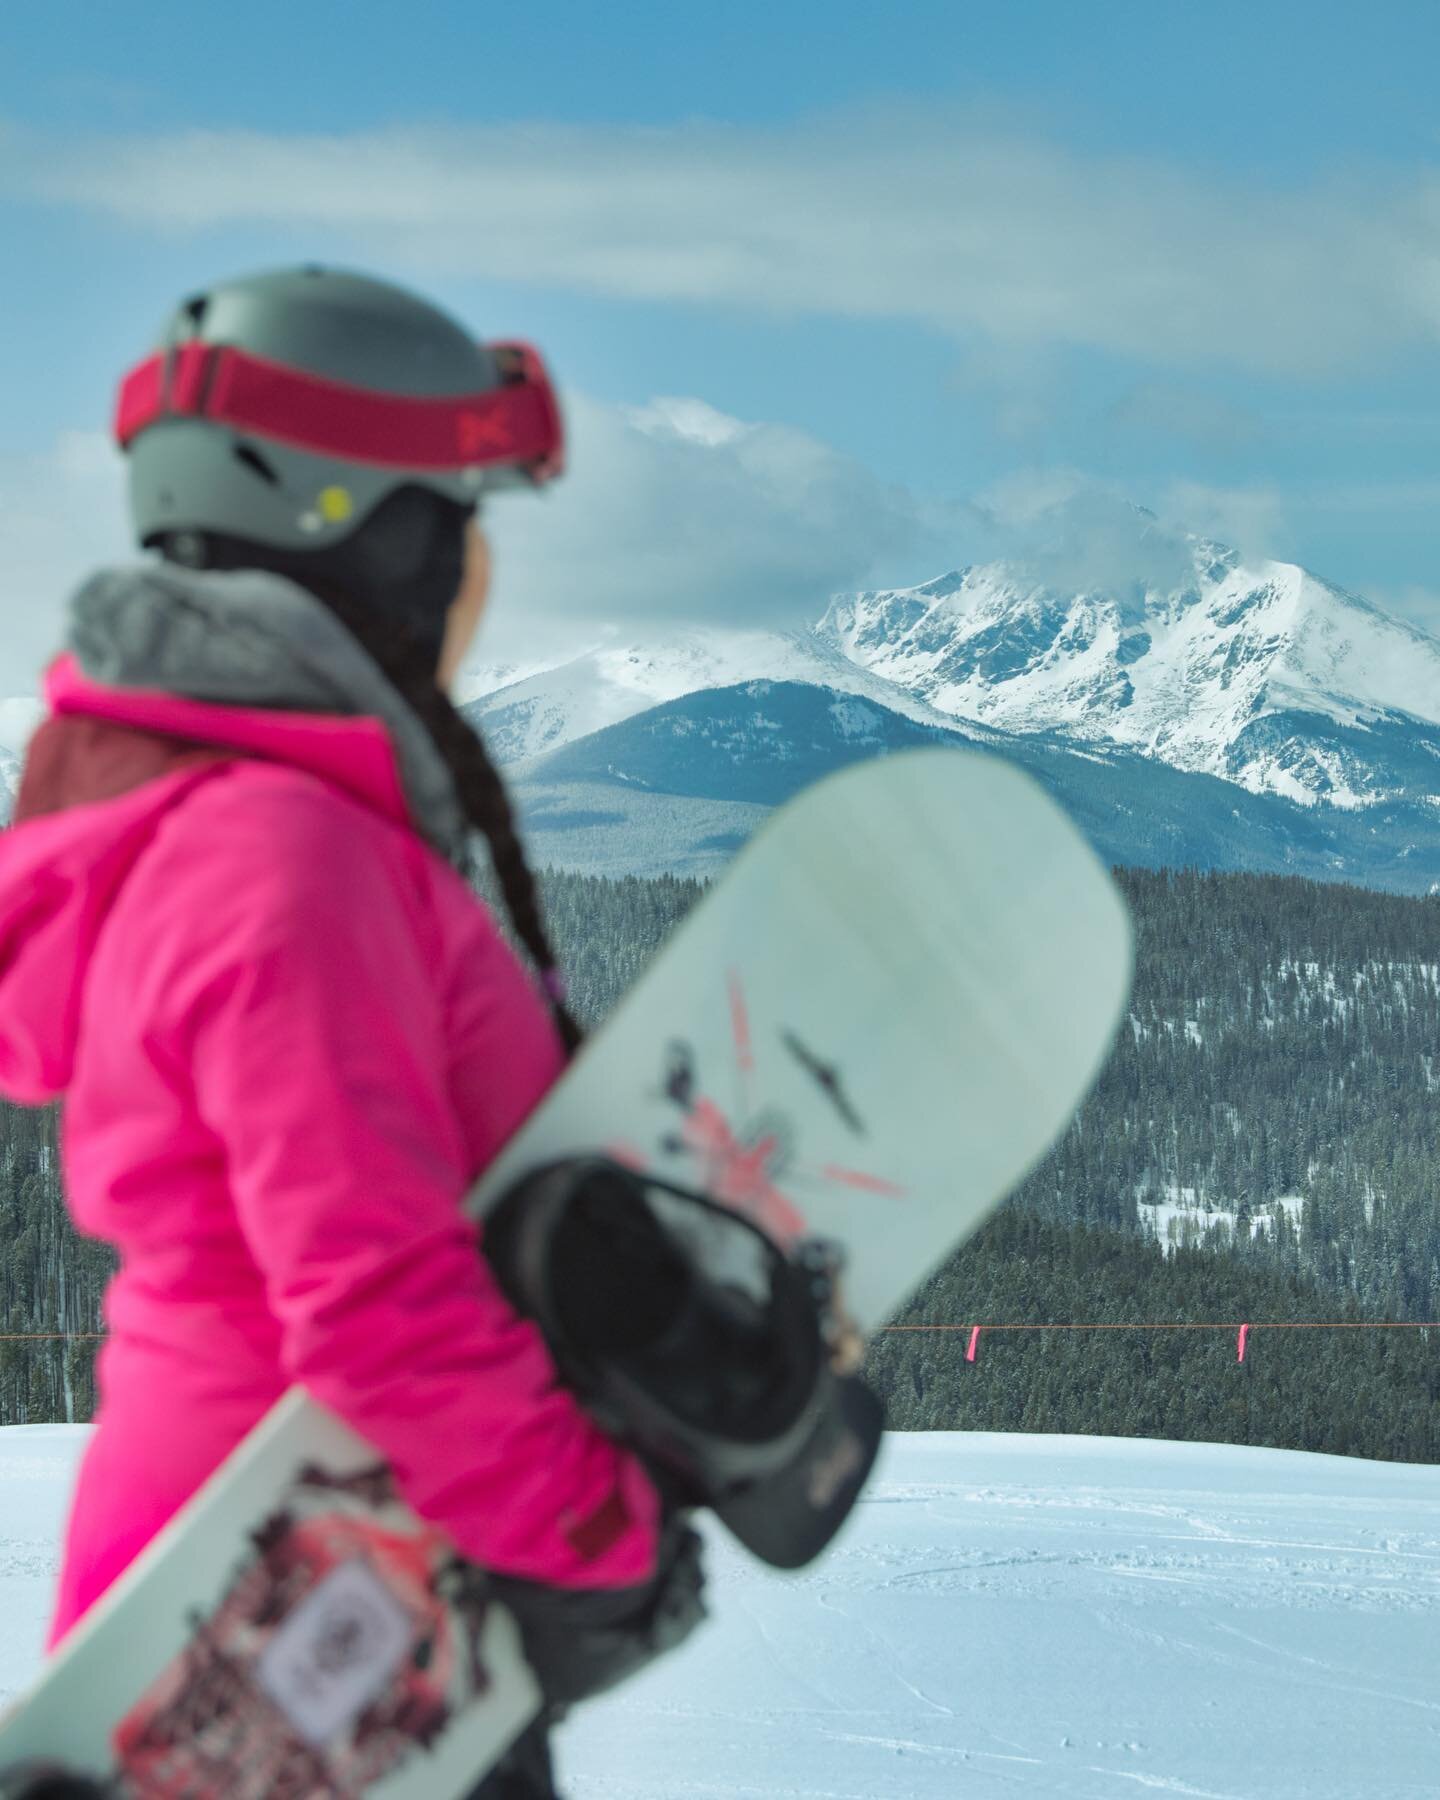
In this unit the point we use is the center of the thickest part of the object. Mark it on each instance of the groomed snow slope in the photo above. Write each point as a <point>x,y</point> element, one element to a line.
<point>1008,1617</point>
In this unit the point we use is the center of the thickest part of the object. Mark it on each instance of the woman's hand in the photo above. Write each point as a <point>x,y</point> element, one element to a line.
<point>582,1641</point>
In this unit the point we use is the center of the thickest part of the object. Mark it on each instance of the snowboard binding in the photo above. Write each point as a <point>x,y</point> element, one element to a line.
<point>689,1335</point>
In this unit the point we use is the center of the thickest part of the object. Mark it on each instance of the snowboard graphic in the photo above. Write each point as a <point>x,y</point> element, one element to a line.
<point>862,1039</point>
<point>345,1639</point>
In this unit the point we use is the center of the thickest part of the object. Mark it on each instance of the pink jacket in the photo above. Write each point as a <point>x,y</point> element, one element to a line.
<point>288,1037</point>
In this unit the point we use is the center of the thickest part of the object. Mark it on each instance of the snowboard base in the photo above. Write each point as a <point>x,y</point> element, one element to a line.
<point>867,1034</point>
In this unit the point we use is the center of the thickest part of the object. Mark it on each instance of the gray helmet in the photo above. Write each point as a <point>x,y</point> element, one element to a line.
<point>283,408</point>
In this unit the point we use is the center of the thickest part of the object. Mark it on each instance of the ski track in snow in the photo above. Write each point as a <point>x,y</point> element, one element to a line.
<point>1006,1618</point>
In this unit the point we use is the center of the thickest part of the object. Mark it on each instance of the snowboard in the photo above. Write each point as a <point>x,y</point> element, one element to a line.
<point>866,1033</point>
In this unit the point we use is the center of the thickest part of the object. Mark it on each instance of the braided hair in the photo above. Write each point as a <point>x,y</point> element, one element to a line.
<point>403,658</point>
<point>390,585</point>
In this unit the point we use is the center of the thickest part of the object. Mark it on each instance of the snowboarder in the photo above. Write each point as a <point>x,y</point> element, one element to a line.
<point>233,936</point>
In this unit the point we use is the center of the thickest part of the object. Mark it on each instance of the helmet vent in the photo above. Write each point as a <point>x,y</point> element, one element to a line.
<point>195,311</point>
<point>259,465</point>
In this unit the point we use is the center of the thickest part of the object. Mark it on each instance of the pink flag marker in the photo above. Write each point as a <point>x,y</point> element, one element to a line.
<point>1240,1345</point>
<point>974,1343</point>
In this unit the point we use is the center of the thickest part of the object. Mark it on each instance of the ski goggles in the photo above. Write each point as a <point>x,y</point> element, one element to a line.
<point>514,426</point>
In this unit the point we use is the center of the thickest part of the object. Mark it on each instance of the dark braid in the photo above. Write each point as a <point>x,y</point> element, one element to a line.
<point>391,584</point>
<point>408,665</point>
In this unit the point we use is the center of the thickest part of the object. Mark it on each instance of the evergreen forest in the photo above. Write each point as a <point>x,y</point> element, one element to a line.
<point>1260,1148</point>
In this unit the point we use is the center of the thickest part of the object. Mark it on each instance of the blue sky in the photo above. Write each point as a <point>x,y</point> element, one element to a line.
<point>943,263</point>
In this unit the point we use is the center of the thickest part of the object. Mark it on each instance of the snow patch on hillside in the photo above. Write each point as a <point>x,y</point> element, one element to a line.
<point>1183,1216</point>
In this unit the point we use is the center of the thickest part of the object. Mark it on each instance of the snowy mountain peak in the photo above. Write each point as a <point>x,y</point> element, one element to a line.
<point>1257,672</point>
<point>1260,673</point>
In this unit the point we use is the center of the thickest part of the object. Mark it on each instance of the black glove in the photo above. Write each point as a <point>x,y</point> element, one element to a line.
<point>580,1642</point>
<point>48,1781</point>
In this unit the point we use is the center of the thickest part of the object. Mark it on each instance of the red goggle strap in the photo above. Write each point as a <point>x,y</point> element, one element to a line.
<point>517,424</point>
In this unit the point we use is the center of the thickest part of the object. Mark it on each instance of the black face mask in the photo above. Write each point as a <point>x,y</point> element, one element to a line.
<point>403,565</point>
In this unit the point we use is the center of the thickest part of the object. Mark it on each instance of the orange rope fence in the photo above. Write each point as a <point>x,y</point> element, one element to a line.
<point>80,1337</point>
<point>1190,1325</point>
<point>1242,1331</point>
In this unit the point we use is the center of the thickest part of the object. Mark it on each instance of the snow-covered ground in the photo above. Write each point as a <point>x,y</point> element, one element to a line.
<point>36,1464</point>
<point>1008,1617</point>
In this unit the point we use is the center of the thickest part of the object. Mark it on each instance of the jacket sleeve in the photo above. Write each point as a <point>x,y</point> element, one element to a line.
<point>313,1033</point>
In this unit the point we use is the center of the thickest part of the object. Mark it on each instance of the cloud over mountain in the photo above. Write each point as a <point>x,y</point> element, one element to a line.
<point>1263,675</point>
<point>670,511</point>
<point>675,511</point>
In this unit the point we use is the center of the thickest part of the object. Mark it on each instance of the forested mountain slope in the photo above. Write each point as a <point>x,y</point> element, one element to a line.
<point>1269,1115</point>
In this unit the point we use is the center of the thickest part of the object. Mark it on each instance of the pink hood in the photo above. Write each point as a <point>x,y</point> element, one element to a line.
<point>91,800</point>
<point>288,1039</point>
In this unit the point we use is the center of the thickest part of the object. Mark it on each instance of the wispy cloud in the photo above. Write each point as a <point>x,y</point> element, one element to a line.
<point>1251,520</point>
<point>1421,605</point>
<point>671,513</point>
<point>62,513</point>
<point>1070,533</point>
<point>876,215</point>
<point>675,512</point>
<point>1168,409</point>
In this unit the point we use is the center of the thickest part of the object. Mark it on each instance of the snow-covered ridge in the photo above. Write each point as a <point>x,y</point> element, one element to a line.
<point>1259,673</point>
<point>604,685</point>
<point>18,718</point>
<point>1262,674</point>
